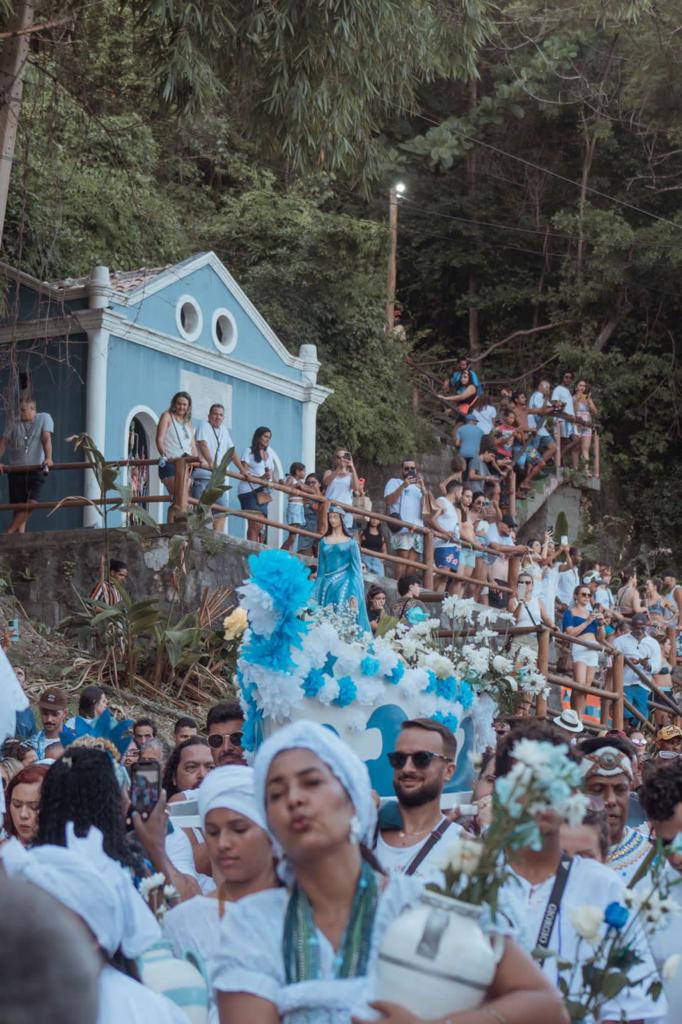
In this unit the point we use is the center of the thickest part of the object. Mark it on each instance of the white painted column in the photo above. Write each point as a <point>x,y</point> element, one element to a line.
<point>96,385</point>
<point>309,414</point>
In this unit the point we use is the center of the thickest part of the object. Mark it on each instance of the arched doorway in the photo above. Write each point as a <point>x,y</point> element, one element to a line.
<point>140,443</point>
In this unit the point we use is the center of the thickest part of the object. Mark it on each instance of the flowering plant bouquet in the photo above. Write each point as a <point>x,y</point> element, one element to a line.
<point>543,779</point>
<point>617,937</point>
<point>159,896</point>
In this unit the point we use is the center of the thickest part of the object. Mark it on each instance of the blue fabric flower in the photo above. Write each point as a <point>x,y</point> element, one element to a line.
<point>313,682</point>
<point>348,691</point>
<point>447,688</point>
<point>396,674</point>
<point>465,694</point>
<point>328,667</point>
<point>251,728</point>
<point>452,721</point>
<point>416,615</point>
<point>285,578</point>
<point>616,915</point>
<point>432,681</point>
<point>369,666</point>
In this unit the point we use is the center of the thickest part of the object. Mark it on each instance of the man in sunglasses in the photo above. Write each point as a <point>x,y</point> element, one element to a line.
<point>609,780</point>
<point>224,725</point>
<point>423,763</point>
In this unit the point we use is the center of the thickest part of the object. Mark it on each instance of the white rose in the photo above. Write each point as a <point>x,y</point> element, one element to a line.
<point>671,967</point>
<point>463,856</point>
<point>588,922</point>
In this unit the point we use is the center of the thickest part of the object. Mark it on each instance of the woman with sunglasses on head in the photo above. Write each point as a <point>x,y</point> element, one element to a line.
<point>175,440</point>
<point>581,621</point>
<point>307,953</point>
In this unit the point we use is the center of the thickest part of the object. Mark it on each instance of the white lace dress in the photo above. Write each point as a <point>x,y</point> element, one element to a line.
<point>255,964</point>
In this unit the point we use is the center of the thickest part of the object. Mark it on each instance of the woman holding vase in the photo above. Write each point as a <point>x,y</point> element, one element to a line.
<point>339,570</point>
<point>307,953</point>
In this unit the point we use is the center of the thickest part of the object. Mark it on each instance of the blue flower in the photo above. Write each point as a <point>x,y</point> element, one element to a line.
<point>416,615</point>
<point>251,729</point>
<point>348,691</point>
<point>446,688</point>
<point>452,721</point>
<point>328,667</point>
<point>369,666</point>
<point>396,674</point>
<point>313,682</point>
<point>616,915</point>
<point>465,694</point>
<point>432,683</point>
<point>285,578</point>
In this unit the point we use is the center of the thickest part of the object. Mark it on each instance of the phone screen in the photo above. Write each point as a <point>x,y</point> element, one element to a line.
<point>145,787</point>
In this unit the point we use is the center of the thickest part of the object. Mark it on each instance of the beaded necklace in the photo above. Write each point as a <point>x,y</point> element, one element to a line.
<point>301,944</point>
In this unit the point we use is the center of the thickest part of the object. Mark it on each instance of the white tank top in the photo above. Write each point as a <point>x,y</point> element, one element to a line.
<point>341,489</point>
<point>178,439</point>
<point>530,613</point>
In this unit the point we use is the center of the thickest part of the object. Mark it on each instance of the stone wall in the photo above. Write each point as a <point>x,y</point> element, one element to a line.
<point>47,571</point>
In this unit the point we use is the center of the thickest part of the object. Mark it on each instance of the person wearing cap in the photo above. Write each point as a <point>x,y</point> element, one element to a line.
<point>569,721</point>
<point>669,739</point>
<point>52,706</point>
<point>241,858</point>
<point>307,952</point>
<point>500,537</point>
<point>609,777</point>
<point>101,894</point>
<point>643,652</point>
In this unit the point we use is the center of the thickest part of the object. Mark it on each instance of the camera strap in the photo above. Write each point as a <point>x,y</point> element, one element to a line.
<point>435,837</point>
<point>554,902</point>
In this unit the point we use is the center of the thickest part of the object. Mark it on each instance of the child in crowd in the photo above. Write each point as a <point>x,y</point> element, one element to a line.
<point>505,433</point>
<point>373,539</point>
<point>295,506</point>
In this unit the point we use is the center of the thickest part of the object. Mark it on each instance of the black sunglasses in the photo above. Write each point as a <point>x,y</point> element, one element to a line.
<point>420,758</point>
<point>217,740</point>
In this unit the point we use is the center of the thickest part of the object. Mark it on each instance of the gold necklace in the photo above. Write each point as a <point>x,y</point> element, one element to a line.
<point>404,833</point>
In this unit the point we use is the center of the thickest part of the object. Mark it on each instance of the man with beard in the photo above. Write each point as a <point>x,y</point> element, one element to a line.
<point>423,763</point>
<point>224,724</point>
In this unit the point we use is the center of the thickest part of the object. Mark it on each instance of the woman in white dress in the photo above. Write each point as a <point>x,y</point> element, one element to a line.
<point>306,954</point>
<point>241,857</point>
<point>175,440</point>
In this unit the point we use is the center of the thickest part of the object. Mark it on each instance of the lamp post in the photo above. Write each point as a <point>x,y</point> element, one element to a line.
<point>396,190</point>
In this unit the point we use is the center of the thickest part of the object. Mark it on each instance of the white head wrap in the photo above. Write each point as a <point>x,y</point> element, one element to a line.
<point>230,786</point>
<point>340,759</point>
<point>95,887</point>
<point>609,761</point>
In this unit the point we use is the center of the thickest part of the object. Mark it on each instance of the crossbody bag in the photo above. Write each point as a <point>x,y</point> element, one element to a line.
<point>554,903</point>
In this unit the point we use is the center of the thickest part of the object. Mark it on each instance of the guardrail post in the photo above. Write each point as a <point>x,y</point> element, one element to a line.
<point>428,559</point>
<point>513,575</point>
<point>543,667</point>
<point>595,464</point>
<point>618,708</point>
<point>557,439</point>
<point>180,494</point>
<point>512,494</point>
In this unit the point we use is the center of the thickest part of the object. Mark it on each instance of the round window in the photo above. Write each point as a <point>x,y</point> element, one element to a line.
<point>188,318</point>
<point>224,331</point>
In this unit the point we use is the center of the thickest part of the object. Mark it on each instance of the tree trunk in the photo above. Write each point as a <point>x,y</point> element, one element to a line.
<point>584,181</point>
<point>12,70</point>
<point>471,165</point>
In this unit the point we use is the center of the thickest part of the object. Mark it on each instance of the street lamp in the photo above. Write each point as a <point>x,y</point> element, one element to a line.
<point>394,194</point>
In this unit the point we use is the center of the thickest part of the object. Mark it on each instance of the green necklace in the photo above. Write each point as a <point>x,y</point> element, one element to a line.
<point>301,944</point>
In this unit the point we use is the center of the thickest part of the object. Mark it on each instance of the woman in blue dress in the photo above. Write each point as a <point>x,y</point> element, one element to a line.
<point>339,571</point>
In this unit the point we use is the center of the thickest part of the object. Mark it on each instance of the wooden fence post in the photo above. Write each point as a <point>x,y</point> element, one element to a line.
<point>597,456</point>
<point>618,709</point>
<point>180,495</point>
<point>543,667</point>
<point>557,439</point>
<point>428,559</point>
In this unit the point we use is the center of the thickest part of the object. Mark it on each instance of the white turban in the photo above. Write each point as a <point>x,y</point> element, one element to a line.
<point>340,759</point>
<point>230,786</point>
<point>96,888</point>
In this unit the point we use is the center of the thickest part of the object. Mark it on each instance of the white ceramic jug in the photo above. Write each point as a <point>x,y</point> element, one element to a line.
<point>435,958</point>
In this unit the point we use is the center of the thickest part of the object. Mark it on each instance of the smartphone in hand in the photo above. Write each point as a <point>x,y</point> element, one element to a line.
<point>145,788</point>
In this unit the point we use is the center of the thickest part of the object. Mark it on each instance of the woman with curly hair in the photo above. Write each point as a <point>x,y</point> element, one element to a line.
<point>81,787</point>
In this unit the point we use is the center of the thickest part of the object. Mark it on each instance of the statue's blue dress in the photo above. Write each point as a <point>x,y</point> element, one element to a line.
<point>339,578</point>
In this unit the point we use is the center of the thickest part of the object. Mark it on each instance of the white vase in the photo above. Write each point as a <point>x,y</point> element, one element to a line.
<point>435,958</point>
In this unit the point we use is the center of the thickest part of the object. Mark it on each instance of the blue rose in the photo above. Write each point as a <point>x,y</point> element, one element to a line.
<point>616,915</point>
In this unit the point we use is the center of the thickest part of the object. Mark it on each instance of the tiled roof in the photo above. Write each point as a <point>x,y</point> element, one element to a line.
<point>121,280</point>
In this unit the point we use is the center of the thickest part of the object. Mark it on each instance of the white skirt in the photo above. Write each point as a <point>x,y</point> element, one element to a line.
<point>585,655</point>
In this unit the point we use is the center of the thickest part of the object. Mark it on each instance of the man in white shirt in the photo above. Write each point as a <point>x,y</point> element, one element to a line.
<point>404,501</point>
<point>213,442</point>
<point>447,519</point>
<point>423,763</point>
<point>484,414</point>
<point>540,406</point>
<point>644,652</point>
<point>563,396</point>
<point>545,888</point>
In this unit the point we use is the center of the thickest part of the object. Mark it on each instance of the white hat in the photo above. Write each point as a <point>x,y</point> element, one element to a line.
<point>232,787</point>
<point>569,721</point>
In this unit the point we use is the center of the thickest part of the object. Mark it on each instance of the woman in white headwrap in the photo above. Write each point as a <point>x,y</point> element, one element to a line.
<point>306,954</point>
<point>97,889</point>
<point>240,852</point>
